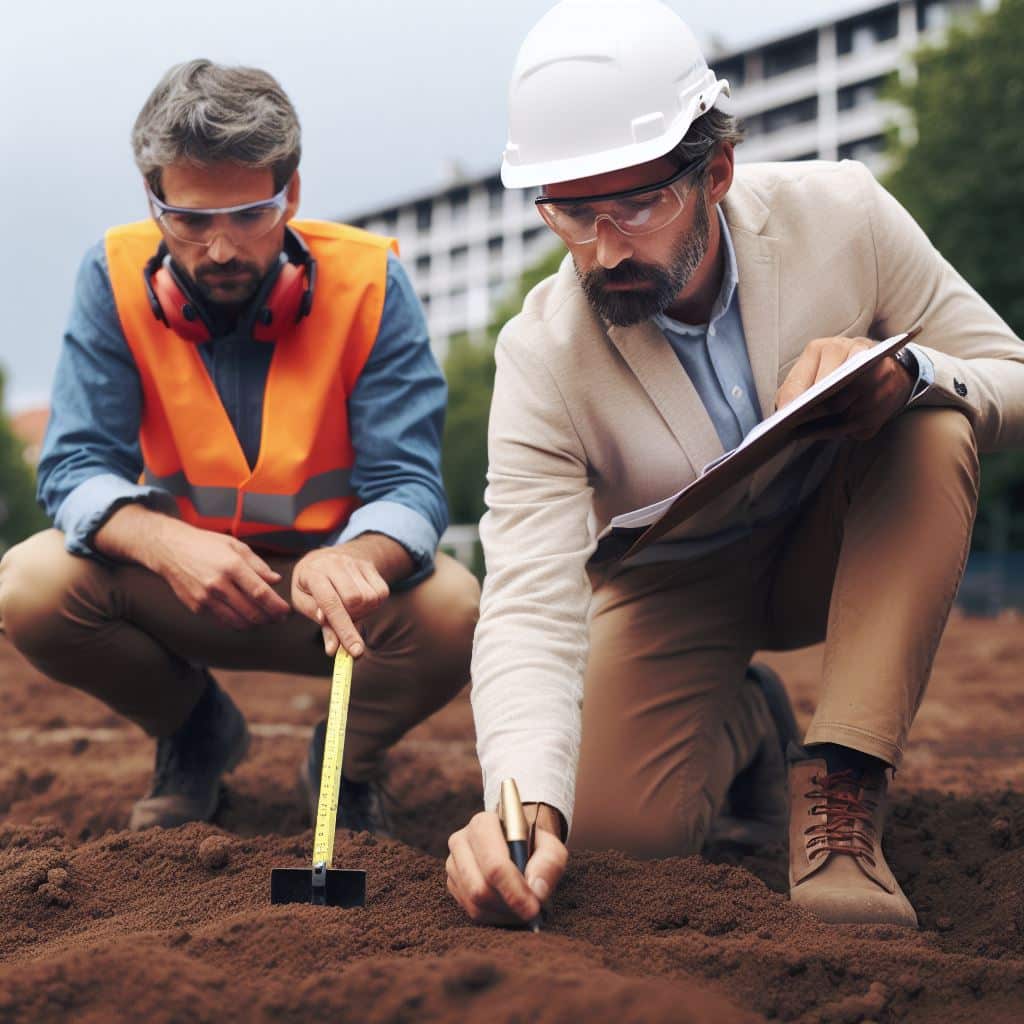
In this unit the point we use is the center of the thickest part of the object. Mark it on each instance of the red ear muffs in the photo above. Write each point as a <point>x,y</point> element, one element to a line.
<point>284,298</point>
<point>282,306</point>
<point>172,303</point>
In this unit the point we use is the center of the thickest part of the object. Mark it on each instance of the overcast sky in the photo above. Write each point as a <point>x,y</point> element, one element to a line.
<point>389,93</point>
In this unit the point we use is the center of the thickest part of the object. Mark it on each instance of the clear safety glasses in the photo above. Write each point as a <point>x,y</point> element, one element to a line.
<point>634,211</point>
<point>243,223</point>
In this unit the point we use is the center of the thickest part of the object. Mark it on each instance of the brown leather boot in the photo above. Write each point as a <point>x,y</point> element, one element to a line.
<point>836,867</point>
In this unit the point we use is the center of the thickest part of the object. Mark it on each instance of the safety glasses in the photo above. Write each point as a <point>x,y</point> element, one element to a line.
<point>635,211</point>
<point>243,223</point>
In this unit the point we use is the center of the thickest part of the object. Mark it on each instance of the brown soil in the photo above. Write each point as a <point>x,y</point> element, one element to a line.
<point>100,924</point>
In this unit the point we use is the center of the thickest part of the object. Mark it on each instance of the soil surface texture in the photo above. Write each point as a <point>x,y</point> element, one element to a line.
<point>100,924</point>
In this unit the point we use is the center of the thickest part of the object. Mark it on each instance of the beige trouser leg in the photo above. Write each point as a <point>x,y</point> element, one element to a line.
<point>119,633</point>
<point>870,565</point>
<point>668,718</point>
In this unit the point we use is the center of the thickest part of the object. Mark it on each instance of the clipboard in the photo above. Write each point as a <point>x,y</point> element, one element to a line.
<point>765,441</point>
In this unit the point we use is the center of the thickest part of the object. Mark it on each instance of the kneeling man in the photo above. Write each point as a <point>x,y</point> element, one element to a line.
<point>695,299</point>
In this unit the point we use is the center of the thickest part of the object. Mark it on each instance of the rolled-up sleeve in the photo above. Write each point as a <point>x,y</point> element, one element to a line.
<point>91,458</point>
<point>396,419</point>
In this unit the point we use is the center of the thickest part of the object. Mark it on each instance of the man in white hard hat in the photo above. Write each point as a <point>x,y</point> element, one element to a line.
<point>696,298</point>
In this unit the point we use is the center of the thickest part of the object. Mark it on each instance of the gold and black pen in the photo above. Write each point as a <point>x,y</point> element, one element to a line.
<point>517,833</point>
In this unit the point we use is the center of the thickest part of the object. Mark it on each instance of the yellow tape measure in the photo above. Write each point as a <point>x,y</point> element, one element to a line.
<point>334,751</point>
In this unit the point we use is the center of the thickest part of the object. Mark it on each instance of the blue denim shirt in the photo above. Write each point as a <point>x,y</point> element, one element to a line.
<point>91,459</point>
<point>715,358</point>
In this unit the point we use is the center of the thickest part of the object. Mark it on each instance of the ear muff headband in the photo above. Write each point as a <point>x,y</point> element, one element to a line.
<point>284,297</point>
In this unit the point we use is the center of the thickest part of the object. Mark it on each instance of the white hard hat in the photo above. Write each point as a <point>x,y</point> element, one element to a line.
<point>600,85</point>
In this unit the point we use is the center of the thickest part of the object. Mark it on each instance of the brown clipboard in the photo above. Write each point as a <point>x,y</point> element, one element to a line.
<point>744,460</point>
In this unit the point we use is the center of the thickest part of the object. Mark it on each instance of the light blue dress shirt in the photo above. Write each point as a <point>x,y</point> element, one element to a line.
<point>91,459</point>
<point>714,356</point>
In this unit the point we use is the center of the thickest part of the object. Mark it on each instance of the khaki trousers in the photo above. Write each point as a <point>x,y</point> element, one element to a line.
<point>118,632</point>
<point>870,564</point>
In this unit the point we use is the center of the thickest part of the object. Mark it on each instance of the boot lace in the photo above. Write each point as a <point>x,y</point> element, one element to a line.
<point>849,825</point>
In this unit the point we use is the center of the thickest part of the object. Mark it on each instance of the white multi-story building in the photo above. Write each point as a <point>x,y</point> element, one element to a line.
<point>810,94</point>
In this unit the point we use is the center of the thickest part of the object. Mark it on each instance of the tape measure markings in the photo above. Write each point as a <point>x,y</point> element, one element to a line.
<point>334,752</point>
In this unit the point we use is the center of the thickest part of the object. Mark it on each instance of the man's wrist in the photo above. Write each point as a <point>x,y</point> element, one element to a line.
<point>546,817</point>
<point>906,359</point>
<point>135,533</point>
<point>388,557</point>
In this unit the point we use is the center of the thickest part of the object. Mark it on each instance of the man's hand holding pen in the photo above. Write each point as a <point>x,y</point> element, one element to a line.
<point>484,879</point>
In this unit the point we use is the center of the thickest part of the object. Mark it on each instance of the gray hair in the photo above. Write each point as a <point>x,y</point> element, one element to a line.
<point>704,136</point>
<point>205,113</point>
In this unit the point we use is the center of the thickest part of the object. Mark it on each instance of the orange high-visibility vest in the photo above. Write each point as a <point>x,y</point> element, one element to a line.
<point>298,493</point>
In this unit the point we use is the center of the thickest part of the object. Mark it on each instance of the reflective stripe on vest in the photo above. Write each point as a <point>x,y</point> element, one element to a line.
<point>299,492</point>
<point>278,509</point>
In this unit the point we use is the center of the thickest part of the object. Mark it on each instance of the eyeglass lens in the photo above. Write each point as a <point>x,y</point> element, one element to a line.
<point>633,215</point>
<point>239,225</point>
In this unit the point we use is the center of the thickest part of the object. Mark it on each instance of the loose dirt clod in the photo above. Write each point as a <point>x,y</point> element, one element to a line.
<point>215,852</point>
<point>53,895</point>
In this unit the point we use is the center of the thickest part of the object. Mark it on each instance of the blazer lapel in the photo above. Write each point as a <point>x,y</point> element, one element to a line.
<point>656,366</point>
<point>757,263</point>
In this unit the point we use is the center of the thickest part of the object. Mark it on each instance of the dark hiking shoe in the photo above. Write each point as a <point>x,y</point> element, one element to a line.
<point>360,804</point>
<point>756,809</point>
<point>190,763</point>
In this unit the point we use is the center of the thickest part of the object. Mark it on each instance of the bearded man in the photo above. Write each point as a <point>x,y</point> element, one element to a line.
<point>242,462</point>
<point>696,298</point>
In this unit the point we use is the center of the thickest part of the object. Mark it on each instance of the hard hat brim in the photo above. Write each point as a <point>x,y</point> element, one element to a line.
<point>533,175</point>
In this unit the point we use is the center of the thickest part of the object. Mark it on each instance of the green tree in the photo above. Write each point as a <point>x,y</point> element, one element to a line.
<point>960,172</point>
<point>469,368</point>
<point>20,516</point>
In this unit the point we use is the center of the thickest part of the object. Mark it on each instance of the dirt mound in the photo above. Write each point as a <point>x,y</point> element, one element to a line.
<point>99,924</point>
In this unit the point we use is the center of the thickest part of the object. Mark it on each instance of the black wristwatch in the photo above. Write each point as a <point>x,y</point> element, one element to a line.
<point>908,361</point>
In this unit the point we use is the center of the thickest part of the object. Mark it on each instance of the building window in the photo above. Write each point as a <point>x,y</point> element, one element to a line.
<point>781,118</point>
<point>859,35</point>
<point>863,149</point>
<point>495,247</point>
<point>496,289</point>
<point>495,196</point>
<point>425,303</point>
<point>459,200</point>
<point>423,264</point>
<point>860,94</point>
<point>424,215</point>
<point>811,154</point>
<point>733,70</point>
<point>791,54</point>
<point>531,234</point>
<point>459,257</point>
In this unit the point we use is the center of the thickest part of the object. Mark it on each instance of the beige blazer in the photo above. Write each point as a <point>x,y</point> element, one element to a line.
<point>590,420</point>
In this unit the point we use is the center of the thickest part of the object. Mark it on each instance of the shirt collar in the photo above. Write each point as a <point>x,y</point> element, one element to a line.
<point>730,279</point>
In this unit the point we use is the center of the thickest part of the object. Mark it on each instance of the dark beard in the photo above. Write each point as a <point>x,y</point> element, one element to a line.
<point>243,290</point>
<point>625,308</point>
